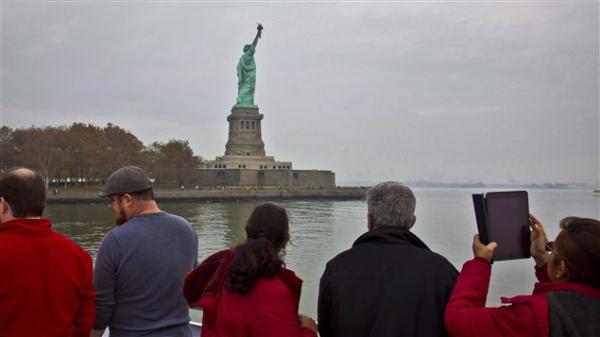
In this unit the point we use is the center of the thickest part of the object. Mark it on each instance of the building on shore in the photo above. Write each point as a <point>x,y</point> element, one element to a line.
<point>246,163</point>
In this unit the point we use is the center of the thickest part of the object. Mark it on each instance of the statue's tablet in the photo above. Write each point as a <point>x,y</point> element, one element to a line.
<point>503,217</point>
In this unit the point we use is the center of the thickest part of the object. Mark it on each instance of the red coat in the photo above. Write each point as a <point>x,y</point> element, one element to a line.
<point>270,309</point>
<point>45,282</point>
<point>527,315</point>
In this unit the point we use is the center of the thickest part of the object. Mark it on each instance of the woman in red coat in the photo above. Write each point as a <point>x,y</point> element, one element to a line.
<point>565,302</point>
<point>246,291</point>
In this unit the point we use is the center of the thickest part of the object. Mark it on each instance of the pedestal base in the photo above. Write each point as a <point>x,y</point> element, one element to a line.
<point>245,136</point>
<point>248,162</point>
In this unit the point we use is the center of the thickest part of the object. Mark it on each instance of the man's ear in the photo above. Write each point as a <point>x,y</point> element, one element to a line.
<point>5,210</point>
<point>370,223</point>
<point>3,205</point>
<point>127,200</point>
<point>561,271</point>
<point>412,222</point>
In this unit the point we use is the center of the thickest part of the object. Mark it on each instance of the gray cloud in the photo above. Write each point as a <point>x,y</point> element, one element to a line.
<point>436,91</point>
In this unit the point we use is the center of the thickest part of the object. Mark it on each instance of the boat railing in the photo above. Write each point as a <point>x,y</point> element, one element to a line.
<point>194,326</point>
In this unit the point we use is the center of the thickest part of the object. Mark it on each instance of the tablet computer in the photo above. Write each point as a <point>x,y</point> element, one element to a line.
<point>503,217</point>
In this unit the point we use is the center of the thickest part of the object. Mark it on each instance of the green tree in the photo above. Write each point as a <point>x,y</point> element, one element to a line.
<point>7,153</point>
<point>87,153</point>
<point>173,163</point>
<point>39,149</point>
<point>83,145</point>
<point>121,148</point>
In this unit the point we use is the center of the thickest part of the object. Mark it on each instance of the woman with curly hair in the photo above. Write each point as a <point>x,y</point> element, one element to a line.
<point>246,291</point>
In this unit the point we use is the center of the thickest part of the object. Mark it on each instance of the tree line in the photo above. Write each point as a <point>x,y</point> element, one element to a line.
<point>85,154</point>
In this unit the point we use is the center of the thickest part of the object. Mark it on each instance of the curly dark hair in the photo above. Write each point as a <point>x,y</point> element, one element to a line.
<point>268,233</point>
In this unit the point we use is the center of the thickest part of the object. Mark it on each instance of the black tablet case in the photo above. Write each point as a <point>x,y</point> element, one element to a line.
<point>503,217</point>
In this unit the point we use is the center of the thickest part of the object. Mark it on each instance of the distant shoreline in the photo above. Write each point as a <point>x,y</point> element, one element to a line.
<point>90,195</point>
<point>545,186</point>
<point>239,193</point>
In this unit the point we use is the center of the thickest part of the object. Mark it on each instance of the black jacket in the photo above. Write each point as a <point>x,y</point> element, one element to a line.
<point>388,284</point>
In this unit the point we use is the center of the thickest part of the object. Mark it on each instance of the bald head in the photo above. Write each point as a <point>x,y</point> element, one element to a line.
<point>21,172</point>
<point>24,191</point>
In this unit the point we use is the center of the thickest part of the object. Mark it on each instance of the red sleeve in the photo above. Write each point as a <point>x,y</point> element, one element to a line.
<point>542,273</point>
<point>291,327</point>
<point>467,316</point>
<point>207,278</point>
<point>283,317</point>
<point>86,312</point>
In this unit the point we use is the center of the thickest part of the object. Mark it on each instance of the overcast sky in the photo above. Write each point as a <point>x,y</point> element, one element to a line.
<point>454,91</point>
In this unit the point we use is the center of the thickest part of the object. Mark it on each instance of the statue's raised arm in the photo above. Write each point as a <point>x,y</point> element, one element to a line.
<point>259,28</point>
<point>246,72</point>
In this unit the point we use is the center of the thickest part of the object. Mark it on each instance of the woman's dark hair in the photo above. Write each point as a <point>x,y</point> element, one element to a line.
<point>268,233</point>
<point>578,245</point>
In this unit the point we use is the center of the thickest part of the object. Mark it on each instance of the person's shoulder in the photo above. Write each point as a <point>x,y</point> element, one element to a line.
<point>117,234</point>
<point>220,255</point>
<point>70,245</point>
<point>184,227</point>
<point>216,259</point>
<point>176,219</point>
<point>274,287</point>
<point>160,217</point>
<point>439,263</point>
<point>356,252</point>
<point>120,229</point>
<point>343,257</point>
<point>430,260</point>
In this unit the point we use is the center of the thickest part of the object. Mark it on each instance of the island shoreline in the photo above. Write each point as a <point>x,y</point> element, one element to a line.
<point>162,196</point>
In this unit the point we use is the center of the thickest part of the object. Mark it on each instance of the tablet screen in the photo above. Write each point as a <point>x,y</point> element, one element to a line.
<point>508,224</point>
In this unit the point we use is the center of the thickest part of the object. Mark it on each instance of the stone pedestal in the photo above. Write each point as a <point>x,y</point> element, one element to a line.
<point>245,148</point>
<point>245,136</point>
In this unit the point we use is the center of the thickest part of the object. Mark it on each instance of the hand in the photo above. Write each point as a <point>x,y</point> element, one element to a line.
<point>538,241</point>
<point>485,252</point>
<point>307,322</point>
<point>96,333</point>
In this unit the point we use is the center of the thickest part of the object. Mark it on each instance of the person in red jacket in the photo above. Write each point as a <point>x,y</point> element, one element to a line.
<point>45,278</point>
<point>246,291</point>
<point>565,302</point>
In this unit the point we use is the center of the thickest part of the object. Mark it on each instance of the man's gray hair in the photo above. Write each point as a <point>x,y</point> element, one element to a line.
<point>391,204</point>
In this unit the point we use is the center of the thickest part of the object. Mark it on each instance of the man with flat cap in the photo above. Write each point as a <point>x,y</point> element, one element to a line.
<point>141,263</point>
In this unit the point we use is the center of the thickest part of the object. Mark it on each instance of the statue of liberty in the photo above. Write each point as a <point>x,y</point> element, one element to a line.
<point>246,73</point>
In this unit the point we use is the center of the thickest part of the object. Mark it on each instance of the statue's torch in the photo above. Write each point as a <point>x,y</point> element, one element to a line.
<point>259,27</point>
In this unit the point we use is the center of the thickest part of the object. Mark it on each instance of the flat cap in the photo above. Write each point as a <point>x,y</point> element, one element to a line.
<point>128,179</point>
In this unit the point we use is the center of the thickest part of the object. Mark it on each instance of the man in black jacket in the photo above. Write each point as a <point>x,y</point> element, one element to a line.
<point>389,283</point>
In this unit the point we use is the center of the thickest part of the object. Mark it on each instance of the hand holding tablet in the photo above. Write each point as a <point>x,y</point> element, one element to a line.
<point>503,218</point>
<point>539,240</point>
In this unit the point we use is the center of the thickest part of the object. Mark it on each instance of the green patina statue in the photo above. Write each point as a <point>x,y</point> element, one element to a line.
<point>246,73</point>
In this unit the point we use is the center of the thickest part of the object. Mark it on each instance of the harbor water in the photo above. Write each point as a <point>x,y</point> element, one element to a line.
<point>320,229</point>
